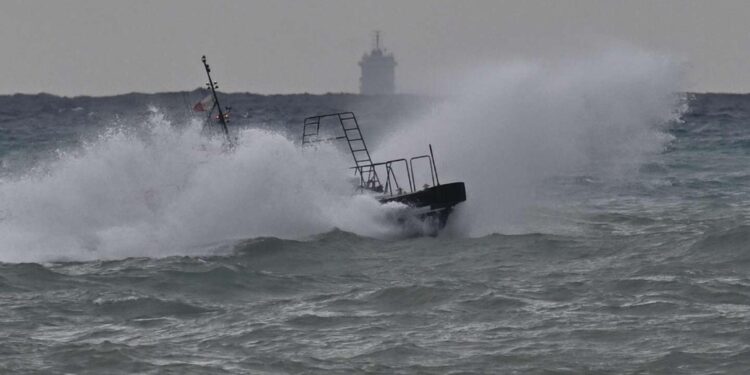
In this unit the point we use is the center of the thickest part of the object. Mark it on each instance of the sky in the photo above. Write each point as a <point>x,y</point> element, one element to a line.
<point>103,47</point>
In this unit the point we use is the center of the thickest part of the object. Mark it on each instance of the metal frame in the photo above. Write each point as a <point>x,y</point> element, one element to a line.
<point>432,174</point>
<point>213,85</point>
<point>369,177</point>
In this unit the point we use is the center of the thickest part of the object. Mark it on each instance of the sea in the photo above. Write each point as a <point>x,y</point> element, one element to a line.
<point>606,231</point>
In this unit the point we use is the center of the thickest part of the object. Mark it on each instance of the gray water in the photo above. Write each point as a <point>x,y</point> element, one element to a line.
<point>643,273</point>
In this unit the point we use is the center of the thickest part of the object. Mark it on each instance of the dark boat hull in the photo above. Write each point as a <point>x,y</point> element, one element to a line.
<point>435,203</point>
<point>431,205</point>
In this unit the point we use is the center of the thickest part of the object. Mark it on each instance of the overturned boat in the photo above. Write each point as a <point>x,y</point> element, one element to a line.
<point>392,180</point>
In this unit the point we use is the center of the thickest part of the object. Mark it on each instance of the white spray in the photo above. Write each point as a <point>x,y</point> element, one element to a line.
<point>506,129</point>
<point>161,191</point>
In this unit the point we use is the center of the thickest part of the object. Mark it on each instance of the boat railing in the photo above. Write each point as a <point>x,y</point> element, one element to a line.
<point>369,172</point>
<point>392,186</point>
<point>432,167</point>
<point>387,168</point>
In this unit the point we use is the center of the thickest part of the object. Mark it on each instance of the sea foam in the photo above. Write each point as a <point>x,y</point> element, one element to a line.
<point>507,129</point>
<point>157,189</point>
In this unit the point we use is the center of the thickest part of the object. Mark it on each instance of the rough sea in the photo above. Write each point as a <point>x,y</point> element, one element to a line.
<point>606,231</point>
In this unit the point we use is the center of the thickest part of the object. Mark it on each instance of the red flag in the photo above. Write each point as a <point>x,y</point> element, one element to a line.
<point>204,105</point>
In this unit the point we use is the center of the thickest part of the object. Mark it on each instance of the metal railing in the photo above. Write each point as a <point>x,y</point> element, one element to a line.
<point>364,167</point>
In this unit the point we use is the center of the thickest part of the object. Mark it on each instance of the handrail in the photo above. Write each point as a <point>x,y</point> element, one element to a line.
<point>434,165</point>
<point>387,164</point>
<point>432,173</point>
<point>361,155</point>
<point>390,174</point>
<point>408,173</point>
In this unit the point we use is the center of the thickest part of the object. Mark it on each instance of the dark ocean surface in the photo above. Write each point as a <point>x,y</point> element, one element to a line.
<point>130,242</point>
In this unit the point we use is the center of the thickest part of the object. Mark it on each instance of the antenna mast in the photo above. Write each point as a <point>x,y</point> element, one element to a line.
<point>377,39</point>
<point>213,86</point>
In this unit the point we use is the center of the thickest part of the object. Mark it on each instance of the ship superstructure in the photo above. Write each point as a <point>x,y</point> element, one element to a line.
<point>378,71</point>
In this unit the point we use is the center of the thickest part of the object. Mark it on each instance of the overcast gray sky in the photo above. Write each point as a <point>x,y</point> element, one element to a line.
<point>75,47</point>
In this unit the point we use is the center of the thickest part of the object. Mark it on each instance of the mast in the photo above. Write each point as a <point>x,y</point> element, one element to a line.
<point>213,86</point>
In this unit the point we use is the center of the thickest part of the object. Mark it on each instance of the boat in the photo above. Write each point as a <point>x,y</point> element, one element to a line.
<point>391,180</point>
<point>431,204</point>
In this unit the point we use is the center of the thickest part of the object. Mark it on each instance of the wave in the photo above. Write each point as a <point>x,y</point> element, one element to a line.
<point>726,246</point>
<point>507,129</point>
<point>32,277</point>
<point>157,189</point>
<point>410,297</point>
<point>145,307</point>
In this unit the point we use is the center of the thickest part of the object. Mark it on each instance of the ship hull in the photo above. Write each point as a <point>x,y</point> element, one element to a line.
<point>433,204</point>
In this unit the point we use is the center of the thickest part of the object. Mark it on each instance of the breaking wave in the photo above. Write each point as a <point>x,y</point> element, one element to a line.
<point>506,130</point>
<point>157,189</point>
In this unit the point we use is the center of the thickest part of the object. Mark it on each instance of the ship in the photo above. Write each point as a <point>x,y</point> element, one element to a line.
<point>389,181</point>
<point>378,71</point>
<point>392,180</point>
